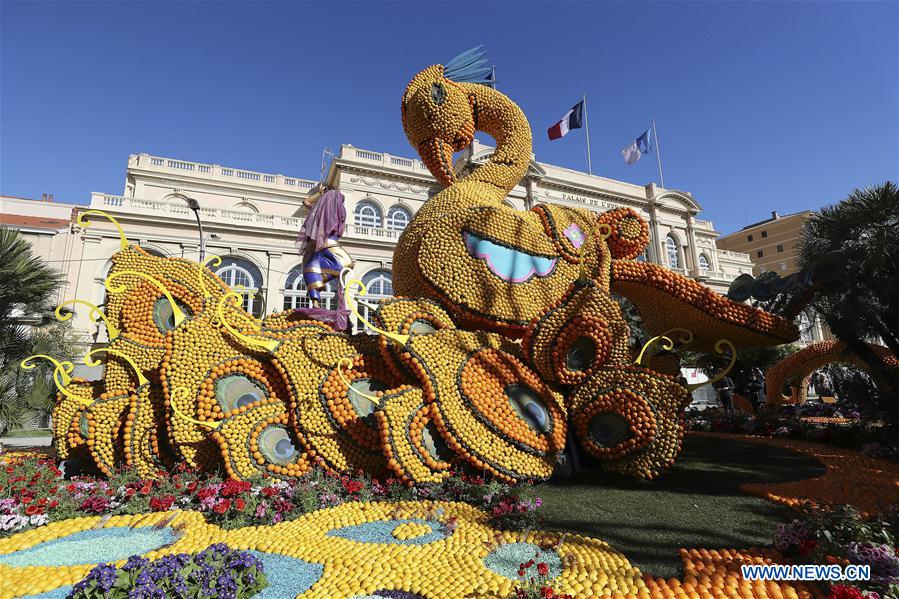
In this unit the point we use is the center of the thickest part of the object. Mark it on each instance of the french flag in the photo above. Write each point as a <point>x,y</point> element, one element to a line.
<point>573,119</point>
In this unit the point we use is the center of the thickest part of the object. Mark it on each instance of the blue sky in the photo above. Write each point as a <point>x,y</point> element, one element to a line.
<point>760,106</point>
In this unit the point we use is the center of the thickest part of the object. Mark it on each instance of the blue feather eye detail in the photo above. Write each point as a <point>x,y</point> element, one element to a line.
<point>469,67</point>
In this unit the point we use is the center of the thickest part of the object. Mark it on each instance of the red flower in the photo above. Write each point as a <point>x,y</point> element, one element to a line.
<point>52,504</point>
<point>33,510</point>
<point>239,504</point>
<point>222,506</point>
<point>270,491</point>
<point>233,487</point>
<point>205,493</point>
<point>130,492</point>
<point>546,592</point>
<point>145,490</point>
<point>521,573</point>
<point>542,570</point>
<point>192,486</point>
<point>840,591</point>
<point>352,486</point>
<point>161,504</point>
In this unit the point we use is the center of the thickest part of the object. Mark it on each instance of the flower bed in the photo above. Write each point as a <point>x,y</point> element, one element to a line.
<point>32,493</point>
<point>343,552</point>
<point>840,535</point>
<point>217,571</point>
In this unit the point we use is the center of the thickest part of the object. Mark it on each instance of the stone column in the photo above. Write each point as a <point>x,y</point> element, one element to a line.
<point>691,242</point>
<point>275,279</point>
<point>89,286</point>
<point>656,251</point>
<point>529,197</point>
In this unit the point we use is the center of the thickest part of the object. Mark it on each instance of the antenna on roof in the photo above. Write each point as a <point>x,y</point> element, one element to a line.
<point>326,153</point>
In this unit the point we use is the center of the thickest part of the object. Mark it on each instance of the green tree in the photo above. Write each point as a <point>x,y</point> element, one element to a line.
<point>748,358</point>
<point>865,305</point>
<point>27,290</point>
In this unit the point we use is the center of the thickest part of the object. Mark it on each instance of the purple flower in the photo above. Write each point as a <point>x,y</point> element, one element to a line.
<point>883,561</point>
<point>134,562</point>
<point>226,587</point>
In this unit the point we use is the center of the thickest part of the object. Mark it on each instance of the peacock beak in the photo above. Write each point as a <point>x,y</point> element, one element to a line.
<point>438,157</point>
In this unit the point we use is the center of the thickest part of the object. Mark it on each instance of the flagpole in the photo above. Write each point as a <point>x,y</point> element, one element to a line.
<point>658,153</point>
<point>587,127</point>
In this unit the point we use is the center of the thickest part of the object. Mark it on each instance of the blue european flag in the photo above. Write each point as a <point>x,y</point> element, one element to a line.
<point>642,145</point>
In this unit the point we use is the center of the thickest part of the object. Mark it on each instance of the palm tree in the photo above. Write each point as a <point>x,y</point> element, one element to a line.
<point>865,226</point>
<point>27,288</point>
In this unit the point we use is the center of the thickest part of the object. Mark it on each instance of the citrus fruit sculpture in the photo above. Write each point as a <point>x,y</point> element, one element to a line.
<point>504,341</point>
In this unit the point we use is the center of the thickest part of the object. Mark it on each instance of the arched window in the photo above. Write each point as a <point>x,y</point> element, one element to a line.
<point>245,207</point>
<point>368,214</point>
<point>242,276</point>
<point>703,263</point>
<point>397,218</point>
<point>671,248</point>
<point>295,292</point>
<point>643,257</point>
<point>379,284</point>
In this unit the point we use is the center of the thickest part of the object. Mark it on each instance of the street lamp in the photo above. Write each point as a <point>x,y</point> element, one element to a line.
<point>195,206</point>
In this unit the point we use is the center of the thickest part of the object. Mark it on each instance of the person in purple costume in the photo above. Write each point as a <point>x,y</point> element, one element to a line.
<point>319,240</point>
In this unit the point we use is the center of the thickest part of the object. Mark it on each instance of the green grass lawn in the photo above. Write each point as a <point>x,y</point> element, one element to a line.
<point>697,503</point>
<point>37,432</point>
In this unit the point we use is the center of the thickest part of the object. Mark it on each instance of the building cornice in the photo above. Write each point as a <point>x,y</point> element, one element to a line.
<point>427,182</point>
<point>225,189</point>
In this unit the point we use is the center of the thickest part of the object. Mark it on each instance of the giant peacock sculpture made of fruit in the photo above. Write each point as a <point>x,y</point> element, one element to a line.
<point>504,342</point>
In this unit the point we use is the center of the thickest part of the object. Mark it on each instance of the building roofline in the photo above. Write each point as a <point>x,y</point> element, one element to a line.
<point>772,219</point>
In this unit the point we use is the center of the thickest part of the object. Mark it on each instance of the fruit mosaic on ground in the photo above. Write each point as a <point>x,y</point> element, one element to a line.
<point>448,549</point>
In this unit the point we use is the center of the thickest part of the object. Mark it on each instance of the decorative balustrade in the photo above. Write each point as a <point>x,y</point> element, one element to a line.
<point>734,255</point>
<point>208,215</point>
<point>214,171</point>
<point>271,180</point>
<point>224,216</point>
<point>360,232</point>
<point>382,158</point>
<point>366,155</point>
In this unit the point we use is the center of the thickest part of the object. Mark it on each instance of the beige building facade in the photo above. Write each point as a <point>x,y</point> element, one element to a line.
<point>772,244</point>
<point>251,219</point>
